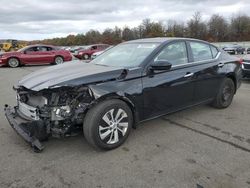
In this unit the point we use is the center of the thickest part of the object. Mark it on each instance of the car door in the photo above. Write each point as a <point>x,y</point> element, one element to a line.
<point>31,55</point>
<point>208,70</point>
<point>47,54</point>
<point>167,91</point>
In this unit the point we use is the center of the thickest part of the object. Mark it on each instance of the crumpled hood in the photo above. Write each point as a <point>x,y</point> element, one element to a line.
<point>69,74</point>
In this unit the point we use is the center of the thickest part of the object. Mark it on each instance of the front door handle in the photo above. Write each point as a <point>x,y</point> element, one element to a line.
<point>189,74</point>
<point>221,64</point>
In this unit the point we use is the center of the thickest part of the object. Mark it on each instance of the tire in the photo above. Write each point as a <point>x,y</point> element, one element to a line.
<point>225,94</point>
<point>102,135</point>
<point>59,60</point>
<point>13,62</point>
<point>85,56</point>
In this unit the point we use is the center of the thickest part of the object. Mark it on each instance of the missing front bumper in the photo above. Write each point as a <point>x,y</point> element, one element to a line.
<point>31,131</point>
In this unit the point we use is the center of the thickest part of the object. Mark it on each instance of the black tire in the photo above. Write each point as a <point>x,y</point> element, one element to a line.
<point>13,62</point>
<point>85,56</point>
<point>225,94</point>
<point>58,60</point>
<point>95,127</point>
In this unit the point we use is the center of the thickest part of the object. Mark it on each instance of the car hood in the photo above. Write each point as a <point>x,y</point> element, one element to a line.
<point>69,74</point>
<point>10,53</point>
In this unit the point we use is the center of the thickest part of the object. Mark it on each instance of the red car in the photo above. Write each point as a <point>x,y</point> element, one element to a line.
<point>35,55</point>
<point>86,52</point>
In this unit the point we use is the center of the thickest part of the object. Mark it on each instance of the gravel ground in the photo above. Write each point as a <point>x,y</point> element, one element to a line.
<point>198,147</point>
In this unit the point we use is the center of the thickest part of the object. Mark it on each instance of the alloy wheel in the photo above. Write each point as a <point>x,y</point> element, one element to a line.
<point>113,126</point>
<point>13,63</point>
<point>86,56</point>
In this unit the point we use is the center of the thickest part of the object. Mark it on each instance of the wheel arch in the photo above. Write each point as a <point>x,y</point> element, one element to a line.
<point>59,55</point>
<point>20,62</point>
<point>233,77</point>
<point>119,97</point>
<point>15,58</point>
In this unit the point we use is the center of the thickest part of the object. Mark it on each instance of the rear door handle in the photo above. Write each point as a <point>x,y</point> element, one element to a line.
<point>189,74</point>
<point>221,64</point>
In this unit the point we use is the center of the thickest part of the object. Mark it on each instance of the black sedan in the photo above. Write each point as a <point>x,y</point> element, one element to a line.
<point>234,49</point>
<point>132,82</point>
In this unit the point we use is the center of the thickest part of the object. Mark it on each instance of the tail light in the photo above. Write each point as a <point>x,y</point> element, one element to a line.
<point>241,61</point>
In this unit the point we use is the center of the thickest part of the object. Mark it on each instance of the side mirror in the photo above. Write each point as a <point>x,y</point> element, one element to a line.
<point>161,65</point>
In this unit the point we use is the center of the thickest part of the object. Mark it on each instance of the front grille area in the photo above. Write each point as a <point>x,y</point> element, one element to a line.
<point>28,111</point>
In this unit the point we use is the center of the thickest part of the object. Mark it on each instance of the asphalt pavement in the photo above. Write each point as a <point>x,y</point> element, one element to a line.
<point>197,147</point>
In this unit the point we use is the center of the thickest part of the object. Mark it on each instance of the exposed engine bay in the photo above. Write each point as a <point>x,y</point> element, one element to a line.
<point>55,112</point>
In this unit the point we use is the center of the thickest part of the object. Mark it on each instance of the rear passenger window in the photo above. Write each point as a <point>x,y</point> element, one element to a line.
<point>214,51</point>
<point>201,51</point>
<point>175,53</point>
<point>42,49</point>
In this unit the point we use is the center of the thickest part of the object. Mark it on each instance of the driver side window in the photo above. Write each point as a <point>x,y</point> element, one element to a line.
<point>32,49</point>
<point>175,53</point>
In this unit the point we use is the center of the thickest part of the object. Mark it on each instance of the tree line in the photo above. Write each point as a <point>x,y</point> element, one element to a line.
<point>216,29</point>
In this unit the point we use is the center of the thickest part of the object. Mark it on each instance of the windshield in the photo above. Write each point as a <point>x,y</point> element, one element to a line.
<point>23,49</point>
<point>126,55</point>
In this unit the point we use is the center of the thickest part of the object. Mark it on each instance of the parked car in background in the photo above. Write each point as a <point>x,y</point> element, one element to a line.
<point>75,49</point>
<point>234,49</point>
<point>133,82</point>
<point>246,67</point>
<point>86,53</point>
<point>248,50</point>
<point>94,55</point>
<point>35,55</point>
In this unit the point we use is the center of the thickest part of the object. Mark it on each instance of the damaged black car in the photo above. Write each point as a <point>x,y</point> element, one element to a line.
<point>130,83</point>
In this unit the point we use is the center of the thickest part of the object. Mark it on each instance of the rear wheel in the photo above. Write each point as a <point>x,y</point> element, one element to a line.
<point>108,124</point>
<point>13,62</point>
<point>225,94</point>
<point>59,60</point>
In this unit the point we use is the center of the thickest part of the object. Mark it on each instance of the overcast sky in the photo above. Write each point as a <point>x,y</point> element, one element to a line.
<point>36,19</point>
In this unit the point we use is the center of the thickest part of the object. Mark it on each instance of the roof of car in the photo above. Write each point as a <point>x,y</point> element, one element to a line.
<point>34,45</point>
<point>161,39</point>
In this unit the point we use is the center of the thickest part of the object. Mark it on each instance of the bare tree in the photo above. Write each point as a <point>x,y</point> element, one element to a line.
<point>196,27</point>
<point>217,28</point>
<point>240,28</point>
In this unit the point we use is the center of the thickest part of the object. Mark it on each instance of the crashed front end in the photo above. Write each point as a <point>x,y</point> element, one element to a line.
<point>55,112</point>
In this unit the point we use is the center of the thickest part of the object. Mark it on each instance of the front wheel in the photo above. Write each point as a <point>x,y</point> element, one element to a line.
<point>225,94</point>
<point>108,124</point>
<point>85,57</point>
<point>13,62</point>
